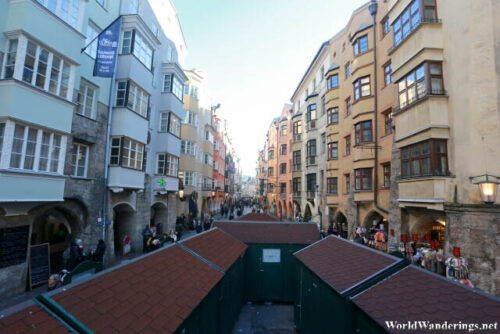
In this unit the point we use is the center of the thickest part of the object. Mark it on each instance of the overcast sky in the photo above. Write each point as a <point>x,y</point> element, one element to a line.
<point>254,53</point>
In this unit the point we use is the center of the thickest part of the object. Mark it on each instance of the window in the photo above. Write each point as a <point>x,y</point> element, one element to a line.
<point>361,87</point>
<point>87,100</point>
<point>161,163</point>
<point>283,130</point>
<point>363,179</point>
<point>331,186</point>
<point>333,115</point>
<point>410,19</point>
<point>133,97</point>
<point>67,10</point>
<point>311,148</point>
<point>207,159</point>
<point>296,160</point>
<point>174,125</point>
<point>424,158</point>
<point>163,121</point>
<point>270,171</point>
<point>189,178</point>
<point>172,166</point>
<point>363,132</point>
<point>79,160</point>
<point>388,122</point>
<point>27,148</point>
<point>333,151</point>
<point>360,45</point>
<point>283,188</point>
<point>10,59</point>
<point>283,168</point>
<point>115,151</point>
<point>323,142</point>
<point>92,32</point>
<point>142,50</point>
<point>387,175</point>
<point>127,42</point>
<point>347,179</point>
<point>131,155</point>
<point>297,130</point>
<point>414,86</point>
<point>348,145</point>
<point>270,155</point>
<point>333,81</point>
<point>2,133</point>
<point>209,136</point>
<point>191,118</point>
<point>386,27</point>
<point>348,105</point>
<point>311,112</point>
<point>283,149</point>
<point>347,70</point>
<point>387,74</point>
<point>171,84</point>
<point>311,182</point>
<point>296,185</point>
<point>188,147</point>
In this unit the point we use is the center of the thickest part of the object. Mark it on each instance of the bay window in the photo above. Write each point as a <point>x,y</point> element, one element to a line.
<point>133,97</point>
<point>174,125</point>
<point>360,45</point>
<point>163,121</point>
<point>79,160</point>
<point>189,178</point>
<point>167,164</point>
<point>189,147</point>
<point>411,18</point>
<point>363,131</point>
<point>333,115</point>
<point>426,79</point>
<point>361,87</point>
<point>134,43</point>
<point>311,148</point>
<point>424,159</point>
<point>363,179</point>
<point>332,186</point>
<point>333,151</point>
<point>126,152</point>
<point>10,59</point>
<point>311,112</point>
<point>333,81</point>
<point>172,84</point>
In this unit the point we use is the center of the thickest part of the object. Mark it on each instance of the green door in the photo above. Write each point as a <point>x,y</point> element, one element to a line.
<point>271,272</point>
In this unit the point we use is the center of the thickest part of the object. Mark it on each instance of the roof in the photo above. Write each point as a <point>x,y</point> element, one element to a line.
<point>271,232</point>
<point>135,295</point>
<point>32,319</point>
<point>333,67</point>
<point>415,294</point>
<point>325,44</point>
<point>343,264</point>
<point>258,217</point>
<point>217,247</point>
<point>360,29</point>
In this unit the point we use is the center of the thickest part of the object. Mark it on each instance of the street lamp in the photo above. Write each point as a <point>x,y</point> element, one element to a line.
<point>213,193</point>
<point>181,194</point>
<point>487,187</point>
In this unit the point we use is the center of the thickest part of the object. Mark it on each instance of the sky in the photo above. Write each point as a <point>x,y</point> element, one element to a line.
<point>254,53</point>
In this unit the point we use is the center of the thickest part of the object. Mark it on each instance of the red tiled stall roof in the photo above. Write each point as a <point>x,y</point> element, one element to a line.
<point>262,217</point>
<point>415,295</point>
<point>155,294</point>
<point>217,247</point>
<point>342,264</point>
<point>32,319</point>
<point>271,233</point>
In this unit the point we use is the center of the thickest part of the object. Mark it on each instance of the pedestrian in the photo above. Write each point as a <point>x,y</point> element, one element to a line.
<point>198,226</point>
<point>153,242</point>
<point>178,231</point>
<point>76,254</point>
<point>97,255</point>
<point>146,234</point>
<point>206,224</point>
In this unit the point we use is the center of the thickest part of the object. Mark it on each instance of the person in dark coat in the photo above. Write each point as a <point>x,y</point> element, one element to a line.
<point>178,231</point>
<point>75,254</point>
<point>146,234</point>
<point>197,226</point>
<point>98,254</point>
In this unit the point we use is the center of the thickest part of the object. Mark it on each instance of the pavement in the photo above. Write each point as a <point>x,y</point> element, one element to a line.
<point>265,318</point>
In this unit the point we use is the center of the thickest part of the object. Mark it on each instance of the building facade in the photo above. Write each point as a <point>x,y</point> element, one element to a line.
<point>284,165</point>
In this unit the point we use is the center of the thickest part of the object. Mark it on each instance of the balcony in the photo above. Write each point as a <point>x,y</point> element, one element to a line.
<point>311,161</point>
<point>297,137</point>
<point>121,177</point>
<point>296,167</point>
<point>17,186</point>
<point>427,191</point>
<point>311,125</point>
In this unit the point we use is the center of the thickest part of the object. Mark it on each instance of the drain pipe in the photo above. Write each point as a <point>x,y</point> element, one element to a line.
<point>373,11</point>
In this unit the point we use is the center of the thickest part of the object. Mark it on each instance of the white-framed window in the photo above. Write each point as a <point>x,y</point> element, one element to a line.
<point>127,42</point>
<point>191,118</point>
<point>115,151</point>
<point>132,152</point>
<point>67,10</point>
<point>188,147</point>
<point>35,149</point>
<point>171,84</point>
<point>137,99</point>
<point>161,160</point>
<point>209,136</point>
<point>167,83</point>
<point>216,145</point>
<point>79,160</point>
<point>92,32</point>
<point>207,159</point>
<point>189,178</point>
<point>174,125</point>
<point>164,121</point>
<point>143,51</point>
<point>216,165</point>
<point>172,168</point>
<point>2,133</point>
<point>87,100</point>
<point>38,67</point>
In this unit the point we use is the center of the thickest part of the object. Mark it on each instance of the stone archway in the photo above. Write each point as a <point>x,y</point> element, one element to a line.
<point>280,209</point>
<point>428,227</point>
<point>297,210</point>
<point>290,211</point>
<point>159,217</point>
<point>307,212</point>
<point>123,225</point>
<point>340,221</point>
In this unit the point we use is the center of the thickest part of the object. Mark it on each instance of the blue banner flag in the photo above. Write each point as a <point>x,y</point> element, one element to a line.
<point>107,50</point>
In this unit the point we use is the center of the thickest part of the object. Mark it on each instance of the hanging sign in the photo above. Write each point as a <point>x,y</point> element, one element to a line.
<point>107,50</point>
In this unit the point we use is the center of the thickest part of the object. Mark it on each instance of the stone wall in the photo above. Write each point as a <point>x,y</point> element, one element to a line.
<point>476,230</point>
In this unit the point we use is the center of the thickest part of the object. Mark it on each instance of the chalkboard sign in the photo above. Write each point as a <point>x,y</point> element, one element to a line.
<point>13,245</point>
<point>39,264</point>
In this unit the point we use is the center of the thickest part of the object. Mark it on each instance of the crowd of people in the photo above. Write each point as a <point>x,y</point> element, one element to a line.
<point>153,238</point>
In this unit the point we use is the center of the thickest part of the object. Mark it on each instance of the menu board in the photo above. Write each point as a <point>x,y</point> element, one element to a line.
<point>13,245</point>
<point>39,264</point>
